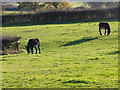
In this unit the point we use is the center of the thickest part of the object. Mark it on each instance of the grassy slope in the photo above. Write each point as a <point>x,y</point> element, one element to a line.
<point>76,4</point>
<point>73,55</point>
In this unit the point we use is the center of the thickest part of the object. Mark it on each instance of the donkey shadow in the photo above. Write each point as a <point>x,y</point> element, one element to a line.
<point>79,41</point>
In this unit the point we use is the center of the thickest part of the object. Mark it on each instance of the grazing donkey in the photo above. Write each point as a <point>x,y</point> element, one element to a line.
<point>33,43</point>
<point>104,26</point>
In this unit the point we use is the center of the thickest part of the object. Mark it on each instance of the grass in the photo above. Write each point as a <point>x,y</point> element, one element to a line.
<point>10,12</point>
<point>15,12</point>
<point>72,56</point>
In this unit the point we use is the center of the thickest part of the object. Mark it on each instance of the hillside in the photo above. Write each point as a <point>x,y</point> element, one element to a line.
<point>72,56</point>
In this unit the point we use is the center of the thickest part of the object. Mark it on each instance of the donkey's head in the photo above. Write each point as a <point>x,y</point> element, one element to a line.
<point>28,49</point>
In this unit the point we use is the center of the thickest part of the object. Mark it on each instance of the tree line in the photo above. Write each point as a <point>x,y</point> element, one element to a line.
<point>39,6</point>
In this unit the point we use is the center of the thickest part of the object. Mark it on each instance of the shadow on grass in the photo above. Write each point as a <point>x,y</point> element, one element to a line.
<point>114,52</point>
<point>3,59</point>
<point>57,22</point>
<point>76,81</point>
<point>79,41</point>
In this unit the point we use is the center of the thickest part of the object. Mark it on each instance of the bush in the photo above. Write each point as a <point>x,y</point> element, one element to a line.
<point>60,16</point>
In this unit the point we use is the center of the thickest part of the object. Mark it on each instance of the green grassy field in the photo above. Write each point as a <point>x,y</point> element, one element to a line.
<point>72,56</point>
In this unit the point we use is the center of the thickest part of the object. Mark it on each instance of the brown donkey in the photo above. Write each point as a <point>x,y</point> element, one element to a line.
<point>33,43</point>
<point>104,26</point>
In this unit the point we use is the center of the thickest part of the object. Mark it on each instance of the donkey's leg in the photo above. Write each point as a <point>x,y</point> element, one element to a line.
<point>108,32</point>
<point>39,48</point>
<point>100,31</point>
<point>3,48</point>
<point>105,31</point>
<point>36,50</point>
<point>32,50</point>
<point>17,45</point>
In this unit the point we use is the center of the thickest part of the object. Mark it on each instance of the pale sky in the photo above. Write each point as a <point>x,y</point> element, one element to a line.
<point>60,0</point>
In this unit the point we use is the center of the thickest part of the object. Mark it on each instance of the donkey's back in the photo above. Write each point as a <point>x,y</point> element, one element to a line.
<point>104,25</point>
<point>33,42</point>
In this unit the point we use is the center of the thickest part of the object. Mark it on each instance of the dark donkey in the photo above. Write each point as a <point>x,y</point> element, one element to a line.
<point>33,43</point>
<point>104,26</point>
